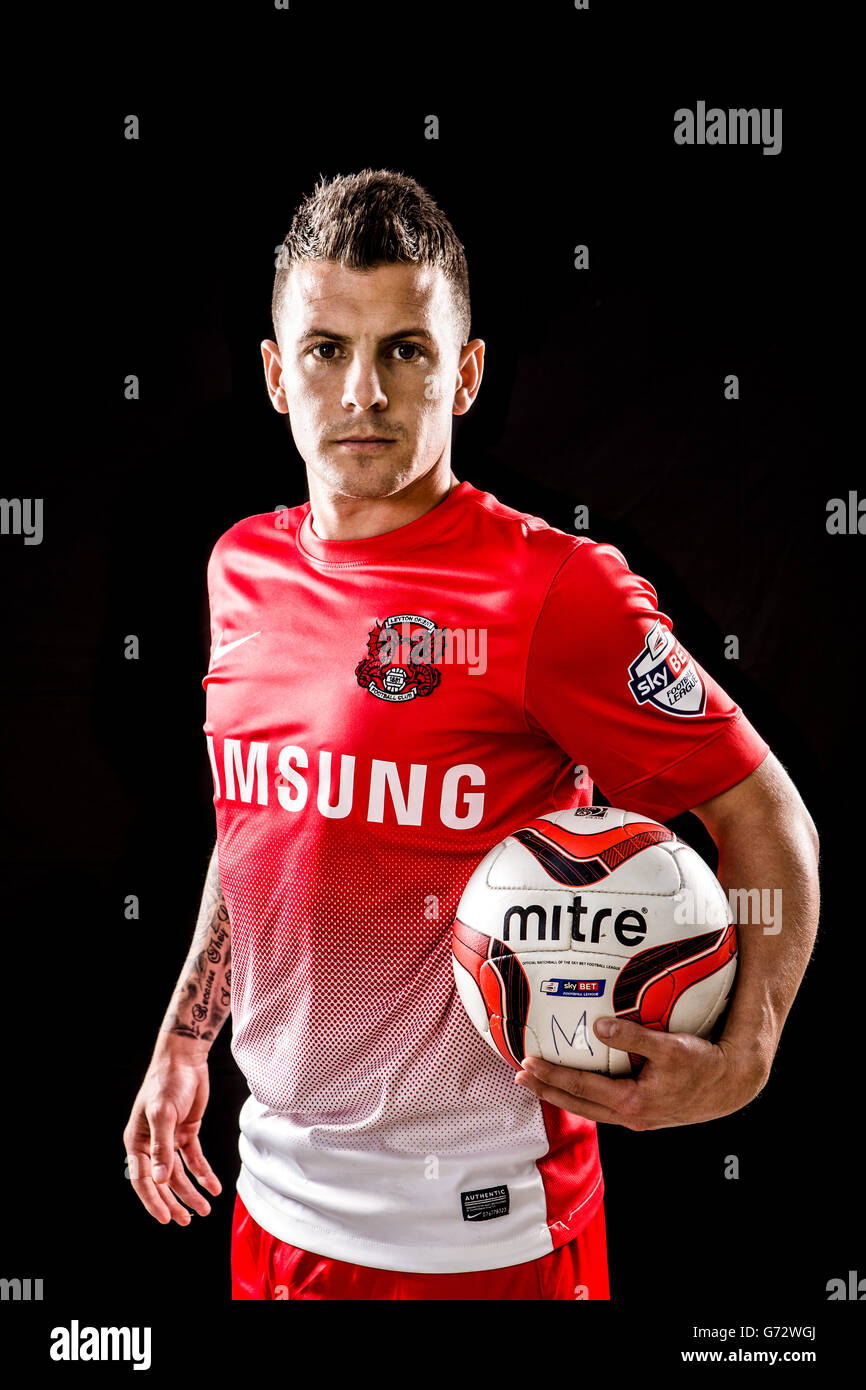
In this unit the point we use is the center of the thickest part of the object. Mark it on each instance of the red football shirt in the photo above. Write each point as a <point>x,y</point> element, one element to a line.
<point>380,713</point>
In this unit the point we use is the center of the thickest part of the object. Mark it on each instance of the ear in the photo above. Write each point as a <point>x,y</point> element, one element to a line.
<point>470,367</point>
<point>274,375</point>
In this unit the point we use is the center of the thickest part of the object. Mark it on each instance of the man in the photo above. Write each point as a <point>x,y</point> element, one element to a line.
<point>360,775</point>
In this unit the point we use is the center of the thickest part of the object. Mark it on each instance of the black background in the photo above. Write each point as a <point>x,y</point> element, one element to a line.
<point>602,387</point>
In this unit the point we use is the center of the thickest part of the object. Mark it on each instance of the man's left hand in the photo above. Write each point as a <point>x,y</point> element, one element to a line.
<point>684,1080</point>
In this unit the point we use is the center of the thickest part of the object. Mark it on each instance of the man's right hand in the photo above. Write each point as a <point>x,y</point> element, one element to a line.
<point>166,1118</point>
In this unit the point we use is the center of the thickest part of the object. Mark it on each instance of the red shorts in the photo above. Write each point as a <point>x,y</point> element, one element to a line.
<point>266,1268</point>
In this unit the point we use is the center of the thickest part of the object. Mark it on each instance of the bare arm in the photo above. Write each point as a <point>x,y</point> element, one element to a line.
<point>767,841</point>
<point>161,1135</point>
<point>202,997</point>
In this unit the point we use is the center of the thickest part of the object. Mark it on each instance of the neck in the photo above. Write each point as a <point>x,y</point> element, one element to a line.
<point>337,517</point>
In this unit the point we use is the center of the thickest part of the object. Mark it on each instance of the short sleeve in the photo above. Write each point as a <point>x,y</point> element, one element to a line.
<point>609,682</point>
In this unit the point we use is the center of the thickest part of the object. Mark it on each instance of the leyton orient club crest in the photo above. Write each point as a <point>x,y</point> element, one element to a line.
<point>664,674</point>
<point>398,666</point>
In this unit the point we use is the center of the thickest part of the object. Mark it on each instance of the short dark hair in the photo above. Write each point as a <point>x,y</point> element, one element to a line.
<point>372,218</point>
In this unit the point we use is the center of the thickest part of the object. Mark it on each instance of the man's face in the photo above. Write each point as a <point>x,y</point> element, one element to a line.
<point>368,353</point>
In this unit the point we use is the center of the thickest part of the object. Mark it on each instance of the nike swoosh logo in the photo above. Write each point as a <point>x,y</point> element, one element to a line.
<point>220,650</point>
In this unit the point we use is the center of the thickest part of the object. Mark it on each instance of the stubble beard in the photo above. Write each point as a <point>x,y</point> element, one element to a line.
<point>364,478</point>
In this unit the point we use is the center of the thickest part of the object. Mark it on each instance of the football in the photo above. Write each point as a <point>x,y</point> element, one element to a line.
<point>587,913</point>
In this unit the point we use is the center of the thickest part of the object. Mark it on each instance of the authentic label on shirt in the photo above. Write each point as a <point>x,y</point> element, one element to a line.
<point>484,1204</point>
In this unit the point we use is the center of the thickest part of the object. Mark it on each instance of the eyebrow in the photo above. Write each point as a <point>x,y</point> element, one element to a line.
<point>343,338</point>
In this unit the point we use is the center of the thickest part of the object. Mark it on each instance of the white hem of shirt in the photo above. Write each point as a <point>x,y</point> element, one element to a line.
<point>528,1238</point>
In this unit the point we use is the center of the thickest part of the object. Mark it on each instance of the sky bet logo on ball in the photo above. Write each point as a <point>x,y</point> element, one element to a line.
<point>664,675</point>
<point>574,989</point>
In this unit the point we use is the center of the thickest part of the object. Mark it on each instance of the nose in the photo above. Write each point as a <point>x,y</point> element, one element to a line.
<point>362,385</point>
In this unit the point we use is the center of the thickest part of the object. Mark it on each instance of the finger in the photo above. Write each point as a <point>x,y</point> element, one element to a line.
<point>161,1196</point>
<point>180,1184</point>
<point>151,1201</point>
<point>565,1100</point>
<point>159,1202</point>
<point>167,1191</point>
<point>199,1166</point>
<point>162,1119</point>
<point>172,1207</point>
<point>652,1043</point>
<point>138,1168</point>
<point>607,1091</point>
<point>177,1212</point>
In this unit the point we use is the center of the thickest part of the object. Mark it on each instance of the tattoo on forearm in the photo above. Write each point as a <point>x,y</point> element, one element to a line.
<point>202,997</point>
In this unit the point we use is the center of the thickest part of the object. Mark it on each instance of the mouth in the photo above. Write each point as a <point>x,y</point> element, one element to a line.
<point>364,443</point>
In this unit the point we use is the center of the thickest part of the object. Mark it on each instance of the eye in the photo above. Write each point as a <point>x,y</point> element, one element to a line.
<point>317,346</point>
<point>327,351</point>
<point>412,346</point>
